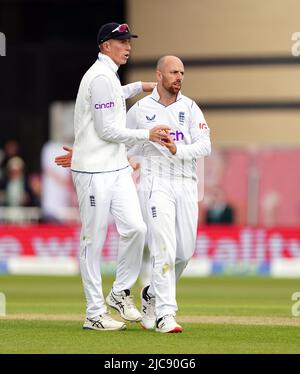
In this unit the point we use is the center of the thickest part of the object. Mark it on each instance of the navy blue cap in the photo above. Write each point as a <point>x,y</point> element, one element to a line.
<point>114,30</point>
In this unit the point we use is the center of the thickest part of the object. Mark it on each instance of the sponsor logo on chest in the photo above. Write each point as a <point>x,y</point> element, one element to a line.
<point>177,135</point>
<point>151,118</point>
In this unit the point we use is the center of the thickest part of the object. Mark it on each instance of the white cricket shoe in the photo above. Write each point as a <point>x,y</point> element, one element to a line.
<point>148,309</point>
<point>123,303</point>
<point>168,324</point>
<point>104,322</point>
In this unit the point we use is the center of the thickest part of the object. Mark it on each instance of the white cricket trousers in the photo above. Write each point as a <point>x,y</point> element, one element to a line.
<point>98,194</point>
<point>170,208</point>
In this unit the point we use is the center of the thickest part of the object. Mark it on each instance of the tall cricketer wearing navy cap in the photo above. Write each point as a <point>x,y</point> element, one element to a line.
<point>102,178</point>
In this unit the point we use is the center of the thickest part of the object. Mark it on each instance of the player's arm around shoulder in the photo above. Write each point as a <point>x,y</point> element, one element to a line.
<point>136,88</point>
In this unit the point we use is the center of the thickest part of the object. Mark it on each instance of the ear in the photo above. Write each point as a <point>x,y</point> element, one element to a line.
<point>106,46</point>
<point>158,75</point>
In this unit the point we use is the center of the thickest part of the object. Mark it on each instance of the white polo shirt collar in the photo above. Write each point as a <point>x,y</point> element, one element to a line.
<point>155,95</point>
<point>106,60</point>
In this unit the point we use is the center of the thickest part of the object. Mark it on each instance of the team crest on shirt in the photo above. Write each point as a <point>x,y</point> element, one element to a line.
<point>151,119</point>
<point>181,117</point>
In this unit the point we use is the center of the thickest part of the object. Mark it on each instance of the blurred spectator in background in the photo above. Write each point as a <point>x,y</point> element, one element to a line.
<point>218,210</point>
<point>58,196</point>
<point>10,150</point>
<point>15,191</point>
<point>270,204</point>
<point>35,189</point>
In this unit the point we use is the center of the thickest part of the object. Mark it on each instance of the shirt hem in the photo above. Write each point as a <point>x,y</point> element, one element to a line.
<point>99,172</point>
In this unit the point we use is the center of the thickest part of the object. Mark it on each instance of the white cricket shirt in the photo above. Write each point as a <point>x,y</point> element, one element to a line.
<point>100,120</point>
<point>189,130</point>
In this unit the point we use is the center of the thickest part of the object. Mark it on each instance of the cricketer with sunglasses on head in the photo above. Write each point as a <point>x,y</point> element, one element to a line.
<point>102,178</point>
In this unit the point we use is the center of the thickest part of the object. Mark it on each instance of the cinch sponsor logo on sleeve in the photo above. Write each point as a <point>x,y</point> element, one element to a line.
<point>203,126</point>
<point>109,104</point>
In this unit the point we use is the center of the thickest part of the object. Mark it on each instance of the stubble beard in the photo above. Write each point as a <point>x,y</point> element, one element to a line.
<point>173,90</point>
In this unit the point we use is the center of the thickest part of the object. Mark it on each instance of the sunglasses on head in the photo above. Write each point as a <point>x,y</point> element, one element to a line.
<point>121,28</point>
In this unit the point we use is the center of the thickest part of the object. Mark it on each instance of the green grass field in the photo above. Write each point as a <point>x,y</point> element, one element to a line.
<point>219,315</point>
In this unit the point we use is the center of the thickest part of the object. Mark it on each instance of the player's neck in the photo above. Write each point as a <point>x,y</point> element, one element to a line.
<point>165,97</point>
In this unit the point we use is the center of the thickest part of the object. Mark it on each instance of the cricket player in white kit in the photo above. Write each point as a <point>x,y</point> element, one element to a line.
<point>168,189</point>
<point>102,177</point>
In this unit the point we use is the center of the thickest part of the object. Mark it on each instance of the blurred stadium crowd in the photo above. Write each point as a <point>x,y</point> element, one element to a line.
<point>45,197</point>
<point>243,186</point>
